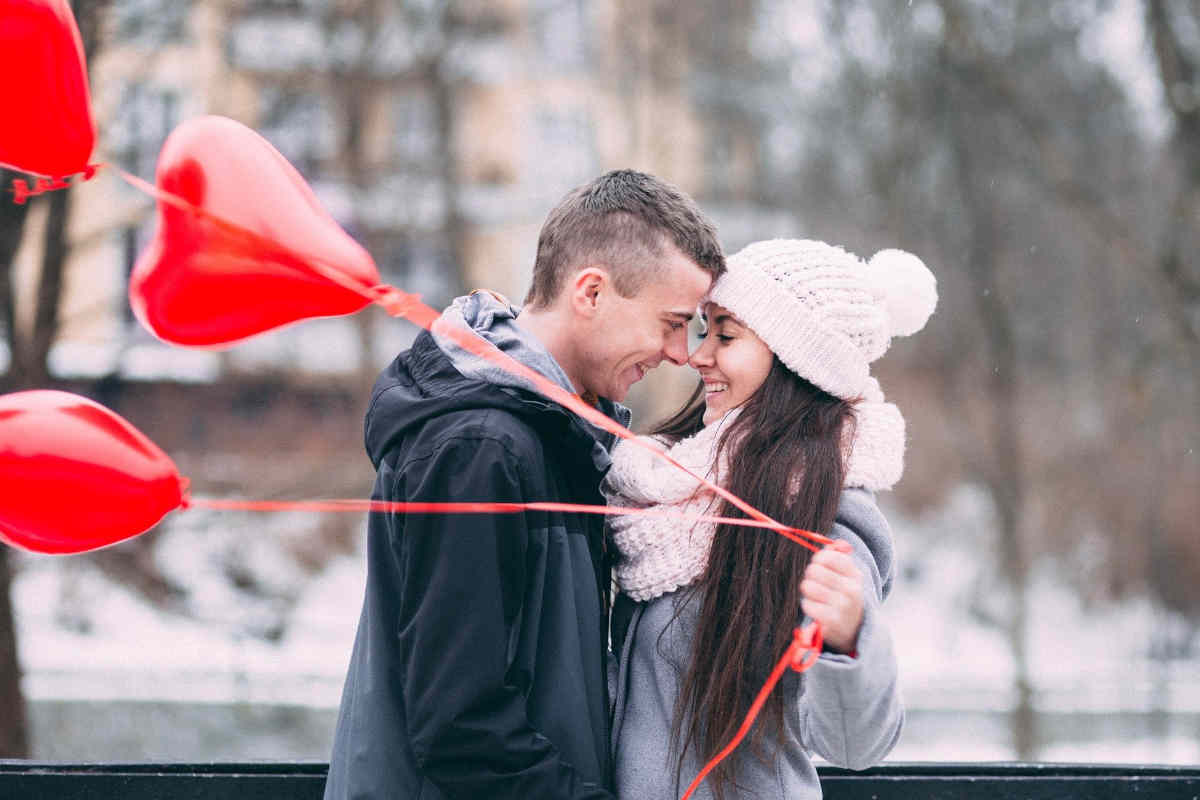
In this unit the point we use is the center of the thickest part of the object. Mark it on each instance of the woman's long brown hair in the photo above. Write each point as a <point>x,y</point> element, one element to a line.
<point>784,456</point>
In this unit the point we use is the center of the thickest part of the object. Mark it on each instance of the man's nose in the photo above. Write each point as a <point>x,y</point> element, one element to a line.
<point>675,350</point>
<point>703,355</point>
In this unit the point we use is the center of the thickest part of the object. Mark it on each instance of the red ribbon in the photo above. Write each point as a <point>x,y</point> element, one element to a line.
<point>399,303</point>
<point>803,652</point>
<point>22,191</point>
<point>409,507</point>
<point>807,640</point>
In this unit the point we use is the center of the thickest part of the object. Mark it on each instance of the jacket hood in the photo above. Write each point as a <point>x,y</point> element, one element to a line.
<point>422,383</point>
<point>490,317</point>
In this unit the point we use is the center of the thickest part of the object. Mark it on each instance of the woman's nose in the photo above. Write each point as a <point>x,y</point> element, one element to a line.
<point>702,357</point>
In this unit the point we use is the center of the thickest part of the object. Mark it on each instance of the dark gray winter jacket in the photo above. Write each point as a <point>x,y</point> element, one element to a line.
<point>478,668</point>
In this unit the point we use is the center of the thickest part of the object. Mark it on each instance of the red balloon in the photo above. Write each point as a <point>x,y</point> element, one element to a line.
<point>48,126</point>
<point>254,250</point>
<point>74,476</point>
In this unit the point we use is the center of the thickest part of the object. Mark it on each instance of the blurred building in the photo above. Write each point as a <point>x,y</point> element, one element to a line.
<point>438,134</point>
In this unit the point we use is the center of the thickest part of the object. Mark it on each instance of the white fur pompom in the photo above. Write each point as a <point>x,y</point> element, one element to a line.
<point>908,287</point>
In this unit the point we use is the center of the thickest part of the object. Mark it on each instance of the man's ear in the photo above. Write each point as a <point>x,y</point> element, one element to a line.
<point>586,289</point>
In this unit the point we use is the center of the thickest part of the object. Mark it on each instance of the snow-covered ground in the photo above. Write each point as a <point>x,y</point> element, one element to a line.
<point>1099,695</point>
<point>1082,660</point>
<point>116,646</point>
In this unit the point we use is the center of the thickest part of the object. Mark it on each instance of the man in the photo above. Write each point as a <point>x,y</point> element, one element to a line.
<point>478,669</point>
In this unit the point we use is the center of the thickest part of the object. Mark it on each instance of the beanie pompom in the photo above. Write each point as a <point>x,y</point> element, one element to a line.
<point>908,287</point>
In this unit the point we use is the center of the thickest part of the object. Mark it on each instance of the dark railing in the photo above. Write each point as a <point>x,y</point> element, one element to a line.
<point>305,781</point>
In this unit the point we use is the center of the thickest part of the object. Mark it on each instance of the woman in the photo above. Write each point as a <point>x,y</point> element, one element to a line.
<point>791,421</point>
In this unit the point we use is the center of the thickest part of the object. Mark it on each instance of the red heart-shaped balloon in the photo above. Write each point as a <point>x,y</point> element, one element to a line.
<point>48,126</point>
<point>74,476</point>
<point>242,245</point>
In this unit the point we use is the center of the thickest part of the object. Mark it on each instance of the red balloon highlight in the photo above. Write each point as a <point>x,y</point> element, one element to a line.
<point>74,476</point>
<point>242,245</point>
<point>48,128</point>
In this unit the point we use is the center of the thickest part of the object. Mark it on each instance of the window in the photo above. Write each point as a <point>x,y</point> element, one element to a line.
<point>298,123</point>
<point>563,148</point>
<point>414,122</point>
<point>276,42</point>
<point>562,32</point>
<point>145,116</point>
<point>150,23</point>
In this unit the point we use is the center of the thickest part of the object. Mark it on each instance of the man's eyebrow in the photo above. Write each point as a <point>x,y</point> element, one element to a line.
<point>686,316</point>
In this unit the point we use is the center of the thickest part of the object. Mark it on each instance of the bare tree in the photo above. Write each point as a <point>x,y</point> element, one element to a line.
<point>979,137</point>
<point>14,735</point>
<point>28,368</point>
<point>1005,471</point>
<point>358,87</point>
<point>14,739</point>
<point>12,226</point>
<point>1179,73</point>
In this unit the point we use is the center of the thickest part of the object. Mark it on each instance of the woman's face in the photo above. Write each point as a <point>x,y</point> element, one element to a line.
<point>732,361</point>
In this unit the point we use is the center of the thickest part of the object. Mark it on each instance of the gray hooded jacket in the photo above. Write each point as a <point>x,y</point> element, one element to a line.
<point>846,710</point>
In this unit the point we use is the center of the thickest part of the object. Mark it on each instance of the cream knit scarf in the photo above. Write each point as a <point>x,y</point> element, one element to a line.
<point>658,555</point>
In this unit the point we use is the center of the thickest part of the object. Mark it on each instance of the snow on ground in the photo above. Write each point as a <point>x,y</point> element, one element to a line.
<point>1080,660</point>
<point>220,650</point>
<point>135,652</point>
<point>1101,696</point>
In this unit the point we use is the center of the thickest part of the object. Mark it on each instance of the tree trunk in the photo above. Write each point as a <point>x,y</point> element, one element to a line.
<point>1004,474</point>
<point>453,224</point>
<point>1007,474</point>
<point>12,224</point>
<point>28,368</point>
<point>1006,479</point>
<point>50,286</point>
<point>14,735</point>
<point>1176,68</point>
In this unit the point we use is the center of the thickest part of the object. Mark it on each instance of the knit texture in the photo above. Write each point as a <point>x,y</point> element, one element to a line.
<point>658,555</point>
<point>824,312</point>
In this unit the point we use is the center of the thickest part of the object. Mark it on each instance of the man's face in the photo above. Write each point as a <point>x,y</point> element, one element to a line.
<point>630,336</point>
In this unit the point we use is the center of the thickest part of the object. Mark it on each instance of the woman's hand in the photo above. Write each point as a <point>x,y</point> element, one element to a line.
<point>832,590</point>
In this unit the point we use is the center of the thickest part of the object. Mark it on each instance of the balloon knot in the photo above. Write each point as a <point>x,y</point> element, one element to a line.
<point>185,492</point>
<point>22,190</point>
<point>394,301</point>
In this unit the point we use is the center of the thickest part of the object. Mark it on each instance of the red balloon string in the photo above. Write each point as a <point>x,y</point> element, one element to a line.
<point>481,347</point>
<point>806,644</point>
<point>399,303</point>
<point>803,652</point>
<point>407,507</point>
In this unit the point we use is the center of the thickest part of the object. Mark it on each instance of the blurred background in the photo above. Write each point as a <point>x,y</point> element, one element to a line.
<point>1043,158</point>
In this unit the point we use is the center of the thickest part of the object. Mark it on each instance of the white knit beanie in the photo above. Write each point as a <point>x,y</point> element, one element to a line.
<point>824,312</point>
